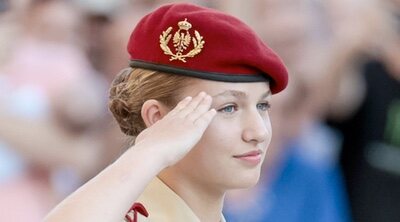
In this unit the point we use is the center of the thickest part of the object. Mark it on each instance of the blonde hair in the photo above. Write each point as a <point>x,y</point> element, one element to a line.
<point>133,86</point>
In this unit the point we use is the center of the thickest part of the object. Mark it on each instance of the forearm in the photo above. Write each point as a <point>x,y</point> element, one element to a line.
<point>109,195</point>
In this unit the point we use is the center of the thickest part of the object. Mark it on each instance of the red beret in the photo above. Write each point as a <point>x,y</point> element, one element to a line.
<point>201,42</point>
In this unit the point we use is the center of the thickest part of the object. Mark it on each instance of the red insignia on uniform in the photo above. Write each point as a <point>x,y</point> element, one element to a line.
<point>131,216</point>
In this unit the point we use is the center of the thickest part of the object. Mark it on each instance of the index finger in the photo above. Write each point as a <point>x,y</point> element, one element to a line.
<point>181,105</point>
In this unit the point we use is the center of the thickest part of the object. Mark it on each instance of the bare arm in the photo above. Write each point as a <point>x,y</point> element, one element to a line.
<point>109,195</point>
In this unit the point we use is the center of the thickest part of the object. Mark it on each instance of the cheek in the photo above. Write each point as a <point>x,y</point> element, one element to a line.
<point>218,140</point>
<point>212,140</point>
<point>221,132</point>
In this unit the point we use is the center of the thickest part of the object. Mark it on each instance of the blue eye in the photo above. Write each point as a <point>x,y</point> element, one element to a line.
<point>228,109</point>
<point>263,106</point>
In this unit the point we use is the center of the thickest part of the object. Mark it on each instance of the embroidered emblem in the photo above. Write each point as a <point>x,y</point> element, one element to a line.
<point>181,40</point>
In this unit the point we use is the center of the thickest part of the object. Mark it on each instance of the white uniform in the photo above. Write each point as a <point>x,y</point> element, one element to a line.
<point>162,205</point>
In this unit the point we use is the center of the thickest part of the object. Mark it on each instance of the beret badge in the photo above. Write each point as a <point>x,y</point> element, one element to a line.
<point>181,41</point>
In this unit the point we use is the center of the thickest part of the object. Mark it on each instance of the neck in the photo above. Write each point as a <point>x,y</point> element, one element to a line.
<point>204,201</point>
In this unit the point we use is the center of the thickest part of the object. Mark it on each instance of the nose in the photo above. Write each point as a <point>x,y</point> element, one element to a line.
<point>257,128</point>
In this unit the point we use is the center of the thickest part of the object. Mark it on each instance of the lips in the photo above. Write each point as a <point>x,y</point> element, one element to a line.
<point>249,154</point>
<point>250,158</point>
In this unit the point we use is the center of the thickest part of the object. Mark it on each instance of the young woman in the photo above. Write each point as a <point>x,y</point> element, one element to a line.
<point>196,101</point>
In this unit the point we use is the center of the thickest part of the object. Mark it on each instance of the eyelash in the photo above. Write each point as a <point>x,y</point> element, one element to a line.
<point>223,109</point>
<point>266,107</point>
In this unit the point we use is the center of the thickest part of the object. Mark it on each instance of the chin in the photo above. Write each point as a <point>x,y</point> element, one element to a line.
<point>244,181</point>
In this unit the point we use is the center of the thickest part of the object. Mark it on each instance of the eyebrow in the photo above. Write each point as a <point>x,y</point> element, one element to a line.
<point>238,94</point>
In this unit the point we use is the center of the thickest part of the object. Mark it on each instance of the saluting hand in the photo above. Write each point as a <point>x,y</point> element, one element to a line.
<point>177,133</point>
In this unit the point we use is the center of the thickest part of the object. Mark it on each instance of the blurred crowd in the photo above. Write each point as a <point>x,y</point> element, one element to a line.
<point>335,152</point>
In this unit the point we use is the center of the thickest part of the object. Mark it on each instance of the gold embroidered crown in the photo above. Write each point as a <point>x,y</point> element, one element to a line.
<point>185,25</point>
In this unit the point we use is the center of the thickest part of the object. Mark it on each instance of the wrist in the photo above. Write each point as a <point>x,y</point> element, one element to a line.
<point>151,154</point>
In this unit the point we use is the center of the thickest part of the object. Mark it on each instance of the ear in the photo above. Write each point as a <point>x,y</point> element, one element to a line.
<point>152,111</point>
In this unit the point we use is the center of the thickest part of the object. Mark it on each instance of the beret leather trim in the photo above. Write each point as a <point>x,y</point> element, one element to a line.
<point>223,77</point>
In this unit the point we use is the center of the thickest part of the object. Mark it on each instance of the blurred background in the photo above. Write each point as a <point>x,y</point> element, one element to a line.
<point>335,154</point>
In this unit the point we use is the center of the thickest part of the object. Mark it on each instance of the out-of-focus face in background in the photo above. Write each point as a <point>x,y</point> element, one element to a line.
<point>55,21</point>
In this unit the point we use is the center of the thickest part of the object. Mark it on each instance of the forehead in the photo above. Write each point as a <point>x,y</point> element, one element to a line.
<point>216,87</point>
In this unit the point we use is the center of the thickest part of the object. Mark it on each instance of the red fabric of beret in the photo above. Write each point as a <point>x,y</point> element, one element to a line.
<point>200,42</point>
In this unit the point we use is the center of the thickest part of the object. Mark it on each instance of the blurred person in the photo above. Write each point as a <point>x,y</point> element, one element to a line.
<point>109,29</point>
<point>190,148</point>
<point>109,22</point>
<point>370,153</point>
<point>50,121</point>
<point>48,66</point>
